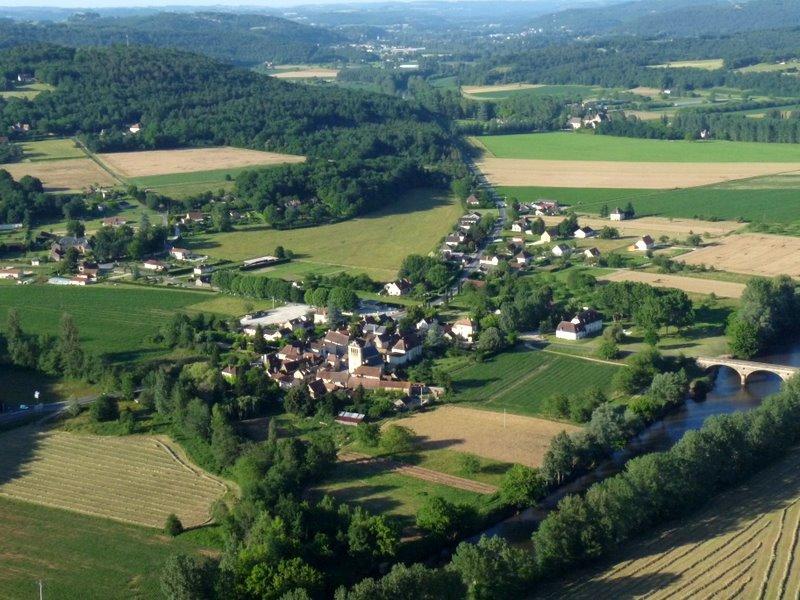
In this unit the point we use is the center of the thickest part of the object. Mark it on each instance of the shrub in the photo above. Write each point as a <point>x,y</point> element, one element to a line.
<point>173,526</point>
<point>396,439</point>
<point>104,408</point>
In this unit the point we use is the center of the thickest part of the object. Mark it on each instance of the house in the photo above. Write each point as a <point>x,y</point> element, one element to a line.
<point>405,350</point>
<point>586,323</point>
<point>472,218</point>
<point>60,247</point>
<point>575,123</point>
<point>398,288</point>
<point>10,273</point>
<point>591,253</point>
<point>114,222</point>
<point>523,259</point>
<point>202,270</point>
<point>561,250</point>
<point>473,200</point>
<point>230,373</point>
<point>180,253</point>
<point>549,235</point>
<point>618,215</point>
<point>546,208</point>
<point>135,128</point>
<point>584,232</point>
<point>336,342</point>
<point>193,217</point>
<point>35,262</point>
<point>644,244</point>
<point>464,329</point>
<point>154,265</point>
<point>490,261</point>
<point>455,239</point>
<point>317,389</point>
<point>89,268</point>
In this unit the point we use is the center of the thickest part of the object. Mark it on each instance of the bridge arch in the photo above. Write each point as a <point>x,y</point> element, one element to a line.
<point>746,368</point>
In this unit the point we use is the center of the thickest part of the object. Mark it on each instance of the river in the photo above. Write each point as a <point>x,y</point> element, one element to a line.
<point>727,396</point>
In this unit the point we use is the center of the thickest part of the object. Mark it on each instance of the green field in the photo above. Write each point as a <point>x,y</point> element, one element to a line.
<point>51,149</point>
<point>571,91</point>
<point>571,146</point>
<point>182,185</point>
<point>522,381</point>
<point>27,91</point>
<point>78,557</point>
<point>745,200</point>
<point>374,244</point>
<point>116,321</point>
<point>709,64</point>
<point>17,387</point>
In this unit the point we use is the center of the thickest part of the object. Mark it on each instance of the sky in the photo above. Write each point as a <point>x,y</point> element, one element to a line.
<point>152,3</point>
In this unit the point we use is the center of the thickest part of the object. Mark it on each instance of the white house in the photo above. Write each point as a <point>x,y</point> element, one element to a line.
<point>591,253</point>
<point>154,265</point>
<point>549,235</point>
<point>180,253</point>
<point>464,329</point>
<point>644,244</point>
<point>202,270</point>
<point>586,323</point>
<point>618,215</point>
<point>584,232</point>
<point>135,128</point>
<point>561,250</point>
<point>490,261</point>
<point>397,288</point>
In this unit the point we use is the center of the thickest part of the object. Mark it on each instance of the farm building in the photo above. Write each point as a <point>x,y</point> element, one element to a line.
<point>618,215</point>
<point>154,265</point>
<point>10,273</point>
<point>644,244</point>
<point>586,323</point>
<point>584,232</point>
<point>591,253</point>
<point>464,329</point>
<point>397,288</point>
<point>549,235</point>
<point>349,418</point>
<point>561,250</point>
<point>180,253</point>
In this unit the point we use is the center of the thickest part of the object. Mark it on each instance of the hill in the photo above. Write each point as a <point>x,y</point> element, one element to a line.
<point>244,39</point>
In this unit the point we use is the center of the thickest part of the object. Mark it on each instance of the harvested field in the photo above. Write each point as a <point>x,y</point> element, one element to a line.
<point>709,64</point>
<point>744,545</point>
<point>191,160</point>
<point>507,438</point>
<point>307,74</point>
<point>656,226</point>
<point>508,87</point>
<point>70,175</point>
<point>620,174</point>
<point>649,92</point>
<point>751,254</point>
<point>692,285</point>
<point>133,479</point>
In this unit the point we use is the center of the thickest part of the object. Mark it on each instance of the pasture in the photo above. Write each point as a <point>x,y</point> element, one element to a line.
<point>26,92</point>
<point>134,479</point>
<point>375,243</point>
<point>522,381</point>
<point>79,557</point>
<point>502,437</point>
<point>579,147</point>
<point>528,90</point>
<point>750,254</point>
<point>743,545</point>
<point>117,321</point>
<point>51,149</point>
<point>63,175</point>
<point>17,387</point>
<point>709,64</point>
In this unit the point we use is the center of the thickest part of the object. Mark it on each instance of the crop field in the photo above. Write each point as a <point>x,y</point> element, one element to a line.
<point>79,557</point>
<point>134,479</point>
<point>710,64</point>
<point>743,545</point>
<point>751,254</point>
<point>691,285</point>
<point>760,200</point>
<point>654,226</point>
<point>67,175</point>
<point>770,67</point>
<point>528,90</point>
<point>503,437</point>
<point>374,244</point>
<point>168,162</point>
<point>116,321</point>
<point>309,73</point>
<point>522,381</point>
<point>578,147</point>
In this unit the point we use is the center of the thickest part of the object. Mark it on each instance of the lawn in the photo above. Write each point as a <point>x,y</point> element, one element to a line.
<point>78,557</point>
<point>732,201</point>
<point>17,387</point>
<point>28,91</point>
<point>117,321</point>
<point>51,149</point>
<point>522,381</point>
<point>182,185</point>
<point>375,243</point>
<point>573,146</point>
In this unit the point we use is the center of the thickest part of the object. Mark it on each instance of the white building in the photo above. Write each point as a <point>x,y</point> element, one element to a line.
<point>586,323</point>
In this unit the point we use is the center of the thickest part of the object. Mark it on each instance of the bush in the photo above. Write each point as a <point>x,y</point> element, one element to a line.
<point>173,526</point>
<point>105,408</point>
<point>397,439</point>
<point>368,434</point>
<point>469,463</point>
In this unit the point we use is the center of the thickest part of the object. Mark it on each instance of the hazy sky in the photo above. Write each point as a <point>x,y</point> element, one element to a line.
<point>138,3</point>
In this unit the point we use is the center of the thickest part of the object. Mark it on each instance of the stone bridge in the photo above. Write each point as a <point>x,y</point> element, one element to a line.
<point>745,368</point>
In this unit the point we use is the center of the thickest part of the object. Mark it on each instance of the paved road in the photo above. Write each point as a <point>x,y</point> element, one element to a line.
<point>42,410</point>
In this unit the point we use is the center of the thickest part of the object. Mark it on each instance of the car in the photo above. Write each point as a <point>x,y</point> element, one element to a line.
<point>24,407</point>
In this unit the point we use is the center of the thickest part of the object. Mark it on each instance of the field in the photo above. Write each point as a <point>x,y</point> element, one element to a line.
<point>770,67</point>
<point>134,479</point>
<point>506,438</point>
<point>18,386</point>
<point>527,90</point>
<point>51,149</point>
<point>751,254</point>
<point>655,226</point>
<point>522,381</point>
<point>79,557</point>
<point>68,175</point>
<point>743,545</point>
<point>760,200</point>
<point>167,162</point>
<point>691,285</point>
<point>27,91</point>
<point>711,64</point>
<point>577,147</point>
<point>375,243</point>
<point>302,72</point>
<point>117,321</point>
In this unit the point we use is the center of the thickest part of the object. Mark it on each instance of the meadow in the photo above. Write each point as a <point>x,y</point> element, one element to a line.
<point>375,243</point>
<point>17,387</point>
<point>522,381</point>
<point>51,149</point>
<point>580,147</point>
<point>743,545</point>
<point>117,321</point>
<point>502,92</point>
<point>134,479</point>
<point>28,91</point>
<point>709,64</point>
<point>78,557</point>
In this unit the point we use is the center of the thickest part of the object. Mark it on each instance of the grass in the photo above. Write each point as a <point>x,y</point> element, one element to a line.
<point>51,149</point>
<point>571,146</point>
<point>27,92</point>
<point>18,386</point>
<point>374,244</point>
<point>562,91</point>
<point>78,557</point>
<point>182,185</point>
<point>522,381</point>
<point>710,64</point>
<point>744,200</point>
<point>117,321</point>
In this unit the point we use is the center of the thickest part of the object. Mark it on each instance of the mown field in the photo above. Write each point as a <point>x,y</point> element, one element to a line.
<point>78,557</point>
<point>570,146</point>
<point>374,244</point>
<point>501,92</point>
<point>51,149</point>
<point>28,91</point>
<point>521,382</point>
<point>753,200</point>
<point>183,185</point>
<point>709,64</point>
<point>116,321</point>
<point>743,545</point>
<point>134,479</point>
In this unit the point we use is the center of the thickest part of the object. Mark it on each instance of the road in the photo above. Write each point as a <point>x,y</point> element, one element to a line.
<point>43,410</point>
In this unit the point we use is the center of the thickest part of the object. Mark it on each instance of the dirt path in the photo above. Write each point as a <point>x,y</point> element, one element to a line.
<point>417,472</point>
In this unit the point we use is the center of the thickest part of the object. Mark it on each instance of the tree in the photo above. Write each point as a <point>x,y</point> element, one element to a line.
<point>609,233</point>
<point>75,228</point>
<point>127,421</point>
<point>521,487</point>
<point>186,578</point>
<point>280,252</point>
<point>469,464</point>
<point>259,343</point>
<point>224,444</point>
<point>221,219</point>
<point>607,349</point>
<point>439,517</point>
<point>493,568</point>
<point>559,459</point>
<point>604,211</point>
<point>416,582</point>
<point>70,261</point>
<point>397,439</point>
<point>70,348</point>
<point>371,537</point>
<point>173,526</point>
<point>743,337</point>
<point>105,408</point>
<point>368,434</point>
<point>490,341</point>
